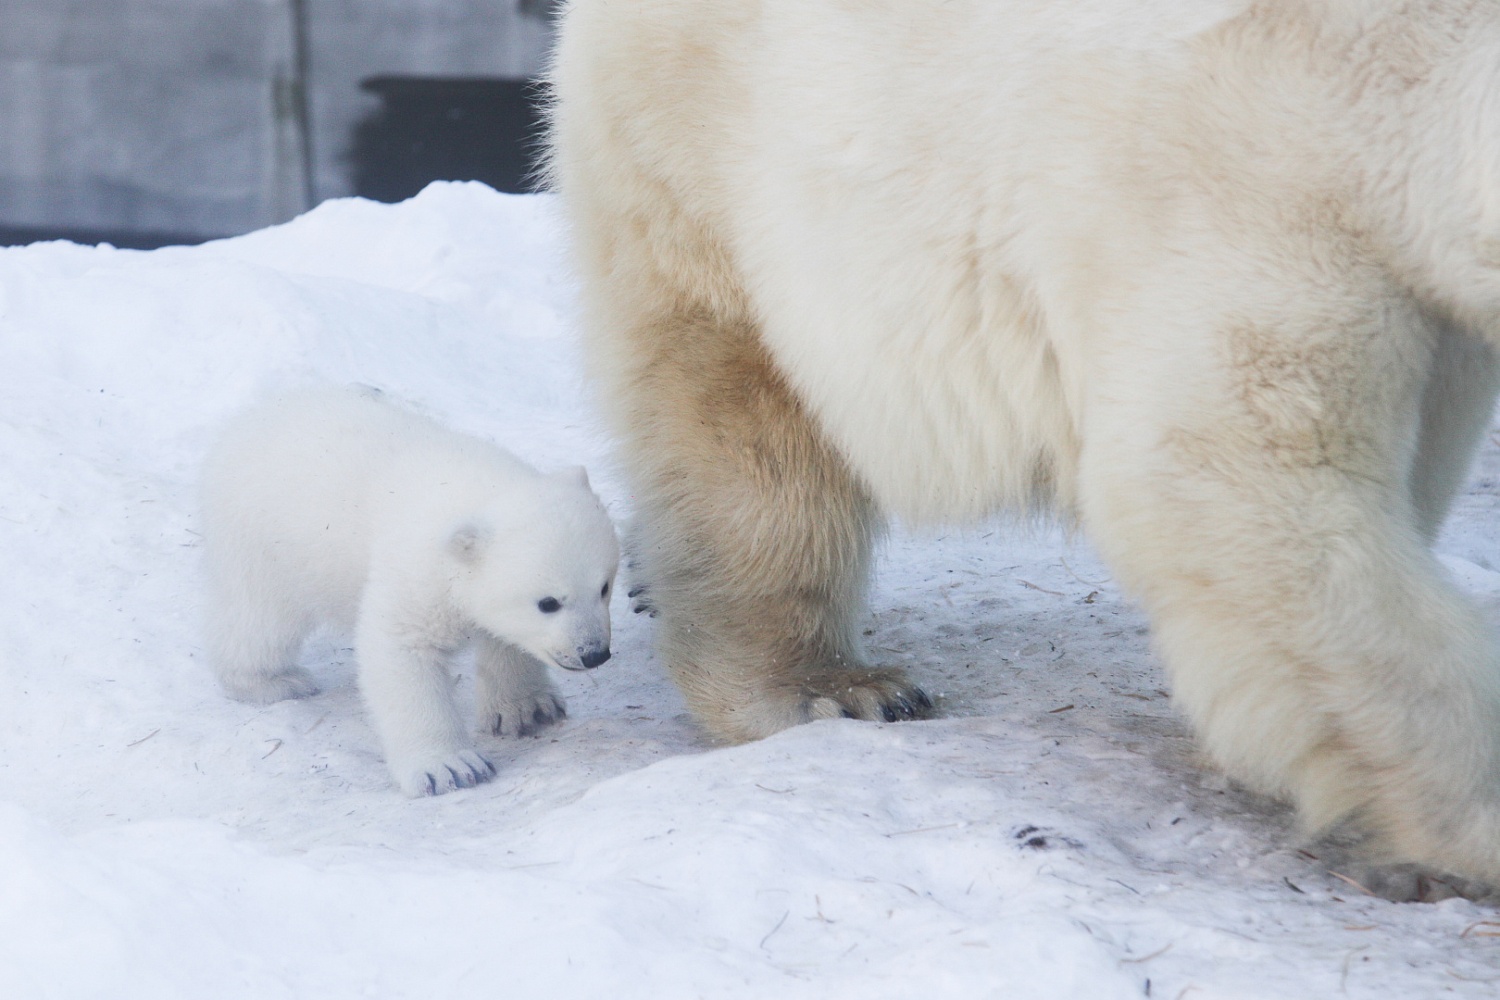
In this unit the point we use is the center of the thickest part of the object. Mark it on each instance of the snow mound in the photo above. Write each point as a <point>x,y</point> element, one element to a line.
<point>1054,835</point>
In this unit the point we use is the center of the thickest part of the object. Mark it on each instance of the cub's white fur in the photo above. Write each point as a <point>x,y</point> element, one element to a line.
<point>1220,279</point>
<point>336,507</point>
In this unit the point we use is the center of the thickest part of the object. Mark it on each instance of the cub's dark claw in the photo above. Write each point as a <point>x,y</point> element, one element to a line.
<point>541,718</point>
<point>640,596</point>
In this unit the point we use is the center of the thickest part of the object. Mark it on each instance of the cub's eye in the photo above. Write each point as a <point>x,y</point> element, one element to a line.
<point>605,591</point>
<point>549,605</point>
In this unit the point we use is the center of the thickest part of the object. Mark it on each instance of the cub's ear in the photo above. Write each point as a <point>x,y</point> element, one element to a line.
<point>467,542</point>
<point>577,475</point>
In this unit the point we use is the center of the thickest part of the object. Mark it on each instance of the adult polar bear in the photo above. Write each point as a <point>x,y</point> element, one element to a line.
<point>1221,280</point>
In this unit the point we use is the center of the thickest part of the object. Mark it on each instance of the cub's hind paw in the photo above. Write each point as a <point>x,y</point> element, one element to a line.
<point>527,716</point>
<point>640,600</point>
<point>639,593</point>
<point>443,773</point>
<point>293,682</point>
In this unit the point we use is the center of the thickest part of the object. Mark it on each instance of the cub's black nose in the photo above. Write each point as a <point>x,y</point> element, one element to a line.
<point>594,657</point>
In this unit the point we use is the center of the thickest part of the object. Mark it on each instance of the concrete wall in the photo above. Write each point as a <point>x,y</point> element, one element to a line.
<point>179,116</point>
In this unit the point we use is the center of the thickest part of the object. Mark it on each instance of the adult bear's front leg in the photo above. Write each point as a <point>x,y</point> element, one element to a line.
<point>753,537</point>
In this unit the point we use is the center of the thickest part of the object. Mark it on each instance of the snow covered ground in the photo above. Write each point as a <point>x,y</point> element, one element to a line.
<point>1053,835</point>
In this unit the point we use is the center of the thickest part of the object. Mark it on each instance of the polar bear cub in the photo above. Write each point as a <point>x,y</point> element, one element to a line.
<point>335,507</point>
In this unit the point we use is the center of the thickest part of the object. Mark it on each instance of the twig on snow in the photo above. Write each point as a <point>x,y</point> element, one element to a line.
<point>1086,583</point>
<point>773,930</point>
<point>1346,878</point>
<point>1481,923</point>
<point>924,829</point>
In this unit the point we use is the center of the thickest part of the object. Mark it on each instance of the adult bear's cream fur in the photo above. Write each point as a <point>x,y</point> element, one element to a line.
<point>1219,280</point>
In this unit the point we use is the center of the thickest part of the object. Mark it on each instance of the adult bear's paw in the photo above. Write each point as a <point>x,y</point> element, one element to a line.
<point>873,695</point>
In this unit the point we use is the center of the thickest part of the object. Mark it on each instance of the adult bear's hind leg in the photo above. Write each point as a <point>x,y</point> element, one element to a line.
<point>753,536</point>
<point>1269,523</point>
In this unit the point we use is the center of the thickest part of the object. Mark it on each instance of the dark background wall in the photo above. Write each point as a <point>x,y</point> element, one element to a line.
<point>156,121</point>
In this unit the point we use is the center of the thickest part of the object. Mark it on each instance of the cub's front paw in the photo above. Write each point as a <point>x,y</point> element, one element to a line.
<point>442,773</point>
<point>525,716</point>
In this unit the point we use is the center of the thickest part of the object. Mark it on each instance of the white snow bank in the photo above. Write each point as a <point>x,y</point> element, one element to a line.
<point>1054,836</point>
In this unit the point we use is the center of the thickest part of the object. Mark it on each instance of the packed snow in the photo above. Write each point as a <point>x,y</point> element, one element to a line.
<point>1053,834</point>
